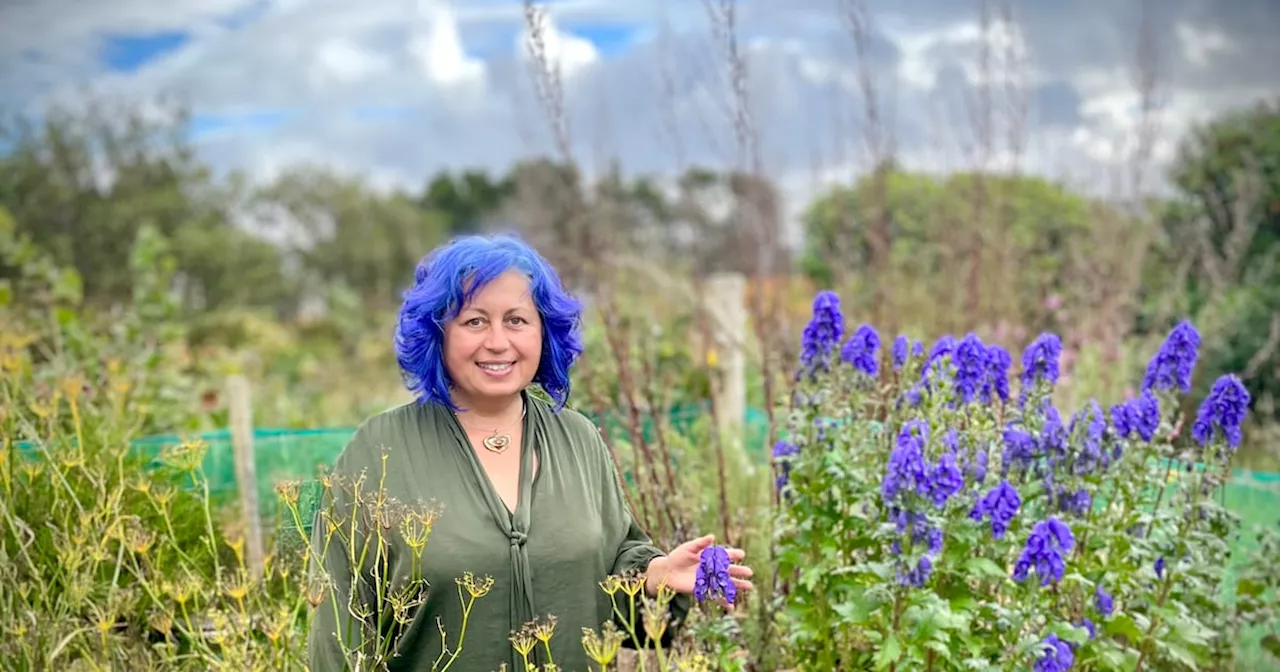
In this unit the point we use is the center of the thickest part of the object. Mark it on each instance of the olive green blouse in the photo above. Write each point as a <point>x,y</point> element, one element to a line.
<point>571,528</point>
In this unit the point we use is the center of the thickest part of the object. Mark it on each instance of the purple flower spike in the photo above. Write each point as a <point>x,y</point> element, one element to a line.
<point>1173,364</point>
<point>1222,413</point>
<point>712,579</point>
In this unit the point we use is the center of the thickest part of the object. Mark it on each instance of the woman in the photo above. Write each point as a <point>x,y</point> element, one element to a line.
<point>526,488</point>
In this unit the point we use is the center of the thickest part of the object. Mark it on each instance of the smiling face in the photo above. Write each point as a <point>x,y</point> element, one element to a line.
<point>493,347</point>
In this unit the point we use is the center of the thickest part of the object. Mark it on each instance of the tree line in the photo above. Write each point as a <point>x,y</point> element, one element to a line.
<point>965,250</point>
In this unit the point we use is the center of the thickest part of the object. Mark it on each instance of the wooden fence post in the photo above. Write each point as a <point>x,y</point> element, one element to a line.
<point>241,411</point>
<point>726,300</point>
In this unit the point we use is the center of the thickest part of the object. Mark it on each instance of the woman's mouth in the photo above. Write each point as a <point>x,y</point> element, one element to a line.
<point>496,367</point>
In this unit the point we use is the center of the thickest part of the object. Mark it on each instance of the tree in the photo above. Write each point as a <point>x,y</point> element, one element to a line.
<point>82,183</point>
<point>1221,246</point>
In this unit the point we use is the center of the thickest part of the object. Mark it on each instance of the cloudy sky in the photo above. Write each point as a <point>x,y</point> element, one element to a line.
<point>399,89</point>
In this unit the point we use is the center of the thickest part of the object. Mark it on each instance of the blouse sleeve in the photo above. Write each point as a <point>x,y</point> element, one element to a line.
<point>636,548</point>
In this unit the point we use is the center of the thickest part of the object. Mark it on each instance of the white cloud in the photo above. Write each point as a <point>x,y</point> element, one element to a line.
<point>439,51</point>
<point>456,75</point>
<point>1199,45</point>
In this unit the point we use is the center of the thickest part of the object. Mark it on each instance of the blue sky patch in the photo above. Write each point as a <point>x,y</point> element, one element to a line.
<point>609,39</point>
<point>206,124</point>
<point>128,53</point>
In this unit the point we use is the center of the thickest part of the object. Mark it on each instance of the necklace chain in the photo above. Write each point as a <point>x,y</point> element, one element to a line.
<point>499,441</point>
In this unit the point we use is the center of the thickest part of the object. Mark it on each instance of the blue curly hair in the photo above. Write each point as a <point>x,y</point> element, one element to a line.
<point>445,281</point>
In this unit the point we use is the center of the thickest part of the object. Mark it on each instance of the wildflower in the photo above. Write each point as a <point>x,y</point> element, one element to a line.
<point>1088,625</point>
<point>712,578</point>
<point>943,347</point>
<point>997,378</point>
<point>977,468</point>
<point>1020,448</point>
<point>918,575</point>
<point>1078,502</point>
<point>899,351</point>
<point>1174,362</point>
<point>1056,656</point>
<point>946,480</point>
<point>1160,567</point>
<point>1091,454</point>
<point>860,350</point>
<point>906,468</point>
<point>921,532</point>
<point>1049,542</point>
<point>972,368</point>
<point>1040,362</point>
<point>1102,600</point>
<point>823,332</point>
<point>602,647</point>
<point>783,450</point>
<point>1053,437</point>
<point>1001,504</point>
<point>1222,413</point>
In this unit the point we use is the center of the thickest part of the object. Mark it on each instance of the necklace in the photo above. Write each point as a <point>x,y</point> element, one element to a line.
<point>499,441</point>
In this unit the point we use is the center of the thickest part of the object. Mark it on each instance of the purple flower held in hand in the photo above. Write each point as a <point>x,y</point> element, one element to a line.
<point>1050,541</point>
<point>823,332</point>
<point>1222,413</point>
<point>1173,364</point>
<point>712,579</point>
<point>1001,504</point>
<point>861,350</point>
<point>1040,362</point>
<point>1056,655</point>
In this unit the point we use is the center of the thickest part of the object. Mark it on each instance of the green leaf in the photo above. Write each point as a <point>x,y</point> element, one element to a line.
<point>984,567</point>
<point>1249,587</point>
<point>1271,643</point>
<point>1123,625</point>
<point>889,652</point>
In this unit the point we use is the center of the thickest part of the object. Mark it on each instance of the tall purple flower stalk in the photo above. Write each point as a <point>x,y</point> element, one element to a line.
<point>997,379</point>
<point>1140,416</point>
<point>861,350</point>
<point>1173,365</point>
<point>782,453</point>
<point>1222,413</point>
<point>1040,363</point>
<point>972,361</point>
<point>822,335</point>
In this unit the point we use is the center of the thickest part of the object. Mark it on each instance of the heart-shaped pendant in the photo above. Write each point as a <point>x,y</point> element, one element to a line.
<point>497,443</point>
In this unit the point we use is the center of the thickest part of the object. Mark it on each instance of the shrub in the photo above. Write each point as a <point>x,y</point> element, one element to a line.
<point>938,511</point>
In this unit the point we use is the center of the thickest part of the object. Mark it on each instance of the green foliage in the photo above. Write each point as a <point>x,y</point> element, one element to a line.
<point>892,563</point>
<point>1020,232</point>
<point>1221,240</point>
